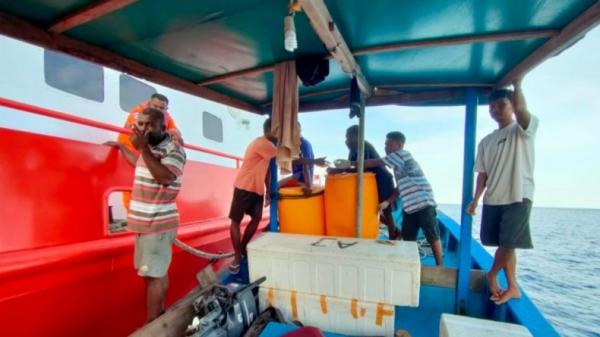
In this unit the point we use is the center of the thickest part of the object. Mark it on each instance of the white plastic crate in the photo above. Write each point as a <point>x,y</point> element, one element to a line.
<point>347,268</point>
<point>461,326</point>
<point>331,314</point>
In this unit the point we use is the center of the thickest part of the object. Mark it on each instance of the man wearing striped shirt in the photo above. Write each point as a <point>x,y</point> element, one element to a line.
<point>414,191</point>
<point>153,213</point>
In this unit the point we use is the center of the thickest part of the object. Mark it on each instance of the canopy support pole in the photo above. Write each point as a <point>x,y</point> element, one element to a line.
<point>273,188</point>
<point>360,167</point>
<point>464,249</point>
<point>273,192</point>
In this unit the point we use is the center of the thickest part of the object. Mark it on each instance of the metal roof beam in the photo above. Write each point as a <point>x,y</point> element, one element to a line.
<point>87,14</point>
<point>569,35</point>
<point>417,97</point>
<point>322,23</point>
<point>235,74</point>
<point>23,30</point>
<point>429,43</point>
<point>393,89</point>
<point>434,85</point>
<point>414,98</point>
<point>315,93</point>
<point>458,40</point>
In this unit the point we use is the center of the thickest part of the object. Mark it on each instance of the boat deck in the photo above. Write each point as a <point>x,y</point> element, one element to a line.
<point>437,295</point>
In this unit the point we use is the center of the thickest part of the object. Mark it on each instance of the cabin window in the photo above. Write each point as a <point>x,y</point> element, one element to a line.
<point>75,76</point>
<point>133,92</point>
<point>117,213</point>
<point>212,127</point>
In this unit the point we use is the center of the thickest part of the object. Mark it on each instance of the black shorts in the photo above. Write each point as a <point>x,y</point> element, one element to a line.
<point>506,226</point>
<point>245,202</point>
<point>385,183</point>
<point>425,219</point>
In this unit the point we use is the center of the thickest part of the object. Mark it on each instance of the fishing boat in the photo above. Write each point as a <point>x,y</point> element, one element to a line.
<point>66,263</point>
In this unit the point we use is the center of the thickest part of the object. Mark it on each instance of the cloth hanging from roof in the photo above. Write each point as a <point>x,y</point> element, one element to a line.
<point>284,118</point>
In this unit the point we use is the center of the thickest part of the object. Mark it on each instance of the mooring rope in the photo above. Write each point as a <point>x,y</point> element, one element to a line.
<point>200,253</point>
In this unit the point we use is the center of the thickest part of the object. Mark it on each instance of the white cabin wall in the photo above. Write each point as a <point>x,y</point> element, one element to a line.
<point>22,79</point>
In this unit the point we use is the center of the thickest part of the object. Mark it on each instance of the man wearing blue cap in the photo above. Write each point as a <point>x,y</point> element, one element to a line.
<point>505,162</point>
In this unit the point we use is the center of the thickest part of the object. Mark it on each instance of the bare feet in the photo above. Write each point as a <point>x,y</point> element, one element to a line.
<point>495,290</point>
<point>507,295</point>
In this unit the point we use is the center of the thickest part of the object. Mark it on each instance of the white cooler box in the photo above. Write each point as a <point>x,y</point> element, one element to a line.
<point>331,314</point>
<point>461,326</point>
<point>347,268</point>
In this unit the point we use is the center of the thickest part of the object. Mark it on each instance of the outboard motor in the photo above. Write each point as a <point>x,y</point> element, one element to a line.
<point>227,311</point>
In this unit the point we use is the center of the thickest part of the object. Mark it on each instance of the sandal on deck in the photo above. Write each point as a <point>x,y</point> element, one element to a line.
<point>234,268</point>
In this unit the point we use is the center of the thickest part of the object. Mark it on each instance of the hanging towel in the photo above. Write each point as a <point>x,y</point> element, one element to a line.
<point>284,118</point>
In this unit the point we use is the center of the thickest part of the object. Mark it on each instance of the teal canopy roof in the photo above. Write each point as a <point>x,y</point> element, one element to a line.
<point>410,52</point>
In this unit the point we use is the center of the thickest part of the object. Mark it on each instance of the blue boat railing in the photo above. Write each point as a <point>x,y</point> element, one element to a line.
<point>522,311</point>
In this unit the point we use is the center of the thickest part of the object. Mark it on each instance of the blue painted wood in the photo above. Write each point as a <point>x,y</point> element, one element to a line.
<point>224,276</point>
<point>522,311</point>
<point>445,237</point>
<point>424,321</point>
<point>500,312</point>
<point>464,249</point>
<point>274,217</point>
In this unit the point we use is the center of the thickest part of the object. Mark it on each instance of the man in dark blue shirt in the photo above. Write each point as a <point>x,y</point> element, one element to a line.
<point>303,168</point>
<point>304,173</point>
<point>386,189</point>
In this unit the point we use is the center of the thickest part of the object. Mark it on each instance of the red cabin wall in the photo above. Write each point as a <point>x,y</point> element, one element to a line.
<point>61,273</point>
<point>54,190</point>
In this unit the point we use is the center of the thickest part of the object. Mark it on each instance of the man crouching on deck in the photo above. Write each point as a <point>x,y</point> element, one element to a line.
<point>248,192</point>
<point>505,160</point>
<point>153,213</point>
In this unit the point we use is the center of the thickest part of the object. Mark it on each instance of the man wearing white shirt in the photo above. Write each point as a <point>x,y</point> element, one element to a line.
<point>505,164</point>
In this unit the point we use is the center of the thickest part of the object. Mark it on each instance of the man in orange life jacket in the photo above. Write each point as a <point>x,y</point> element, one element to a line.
<point>156,101</point>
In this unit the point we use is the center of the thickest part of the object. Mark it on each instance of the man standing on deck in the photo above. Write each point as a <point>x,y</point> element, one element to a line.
<point>153,213</point>
<point>505,162</point>
<point>385,182</point>
<point>249,191</point>
<point>414,191</point>
<point>303,168</point>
